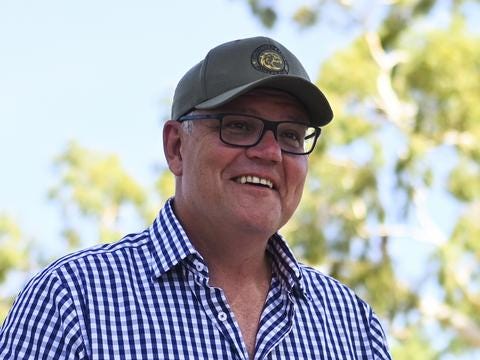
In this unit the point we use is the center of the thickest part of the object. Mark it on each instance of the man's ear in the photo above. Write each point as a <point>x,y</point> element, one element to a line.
<point>172,141</point>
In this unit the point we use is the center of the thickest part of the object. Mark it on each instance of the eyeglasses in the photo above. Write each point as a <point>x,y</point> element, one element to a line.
<point>247,130</point>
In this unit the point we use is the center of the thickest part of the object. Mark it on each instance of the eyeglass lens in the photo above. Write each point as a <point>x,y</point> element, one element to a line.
<point>246,131</point>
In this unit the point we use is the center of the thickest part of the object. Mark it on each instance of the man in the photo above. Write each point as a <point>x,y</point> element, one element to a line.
<point>211,278</point>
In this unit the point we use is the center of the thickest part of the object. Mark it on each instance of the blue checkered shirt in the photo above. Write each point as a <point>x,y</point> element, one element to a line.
<point>147,297</point>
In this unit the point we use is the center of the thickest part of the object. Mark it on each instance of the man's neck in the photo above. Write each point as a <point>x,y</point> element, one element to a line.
<point>231,250</point>
<point>234,260</point>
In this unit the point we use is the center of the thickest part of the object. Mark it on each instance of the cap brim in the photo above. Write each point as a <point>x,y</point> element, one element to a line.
<point>307,93</point>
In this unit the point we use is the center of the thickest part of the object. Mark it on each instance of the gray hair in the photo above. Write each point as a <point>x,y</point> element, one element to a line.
<point>187,126</point>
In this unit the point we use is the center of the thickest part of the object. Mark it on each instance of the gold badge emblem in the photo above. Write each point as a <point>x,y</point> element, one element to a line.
<point>269,59</point>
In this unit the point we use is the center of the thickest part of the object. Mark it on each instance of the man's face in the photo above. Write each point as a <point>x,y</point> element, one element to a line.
<point>209,186</point>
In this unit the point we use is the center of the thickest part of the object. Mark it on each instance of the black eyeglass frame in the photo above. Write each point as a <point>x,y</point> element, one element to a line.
<point>267,125</point>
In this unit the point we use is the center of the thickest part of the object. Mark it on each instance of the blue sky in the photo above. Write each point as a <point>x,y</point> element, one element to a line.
<point>103,73</point>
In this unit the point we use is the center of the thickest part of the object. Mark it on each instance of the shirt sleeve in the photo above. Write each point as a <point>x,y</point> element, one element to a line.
<point>378,339</point>
<point>42,324</point>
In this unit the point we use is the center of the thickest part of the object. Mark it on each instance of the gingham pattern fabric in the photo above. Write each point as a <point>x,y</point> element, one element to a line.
<point>147,297</point>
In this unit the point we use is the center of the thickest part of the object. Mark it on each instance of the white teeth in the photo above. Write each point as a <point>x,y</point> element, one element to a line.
<point>254,180</point>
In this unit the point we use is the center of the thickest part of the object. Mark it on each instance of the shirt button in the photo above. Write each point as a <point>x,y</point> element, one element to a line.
<point>222,316</point>
<point>199,266</point>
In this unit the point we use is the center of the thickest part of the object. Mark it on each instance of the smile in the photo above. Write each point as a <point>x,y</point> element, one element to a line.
<point>255,180</point>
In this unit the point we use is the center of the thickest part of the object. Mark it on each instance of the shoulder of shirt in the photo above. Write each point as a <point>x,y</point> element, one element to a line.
<point>127,243</point>
<point>316,279</point>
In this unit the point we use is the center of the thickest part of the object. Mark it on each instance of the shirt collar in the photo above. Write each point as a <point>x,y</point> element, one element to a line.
<point>170,246</point>
<point>286,266</point>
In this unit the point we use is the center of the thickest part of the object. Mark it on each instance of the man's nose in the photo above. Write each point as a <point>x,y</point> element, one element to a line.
<point>268,148</point>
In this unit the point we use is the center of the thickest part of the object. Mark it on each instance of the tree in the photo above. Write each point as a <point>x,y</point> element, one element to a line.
<point>398,167</point>
<point>402,151</point>
<point>96,188</point>
<point>13,255</point>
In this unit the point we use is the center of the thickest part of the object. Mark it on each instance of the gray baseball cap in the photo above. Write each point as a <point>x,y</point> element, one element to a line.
<point>236,67</point>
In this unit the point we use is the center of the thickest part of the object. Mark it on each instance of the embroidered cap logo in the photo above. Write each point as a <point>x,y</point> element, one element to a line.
<point>269,59</point>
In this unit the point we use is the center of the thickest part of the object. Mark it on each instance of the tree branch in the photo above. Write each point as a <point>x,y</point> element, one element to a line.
<point>398,112</point>
<point>468,330</point>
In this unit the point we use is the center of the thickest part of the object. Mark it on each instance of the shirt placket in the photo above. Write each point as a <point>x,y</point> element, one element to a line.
<point>276,321</point>
<point>216,307</point>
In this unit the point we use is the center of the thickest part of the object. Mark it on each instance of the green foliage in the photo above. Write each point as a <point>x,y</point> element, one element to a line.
<point>305,16</point>
<point>420,89</point>
<point>459,271</point>
<point>13,256</point>
<point>400,17</point>
<point>165,184</point>
<point>12,248</point>
<point>98,187</point>
<point>414,345</point>
<point>111,185</point>
<point>349,83</point>
<point>464,181</point>
<point>442,77</point>
<point>264,12</point>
